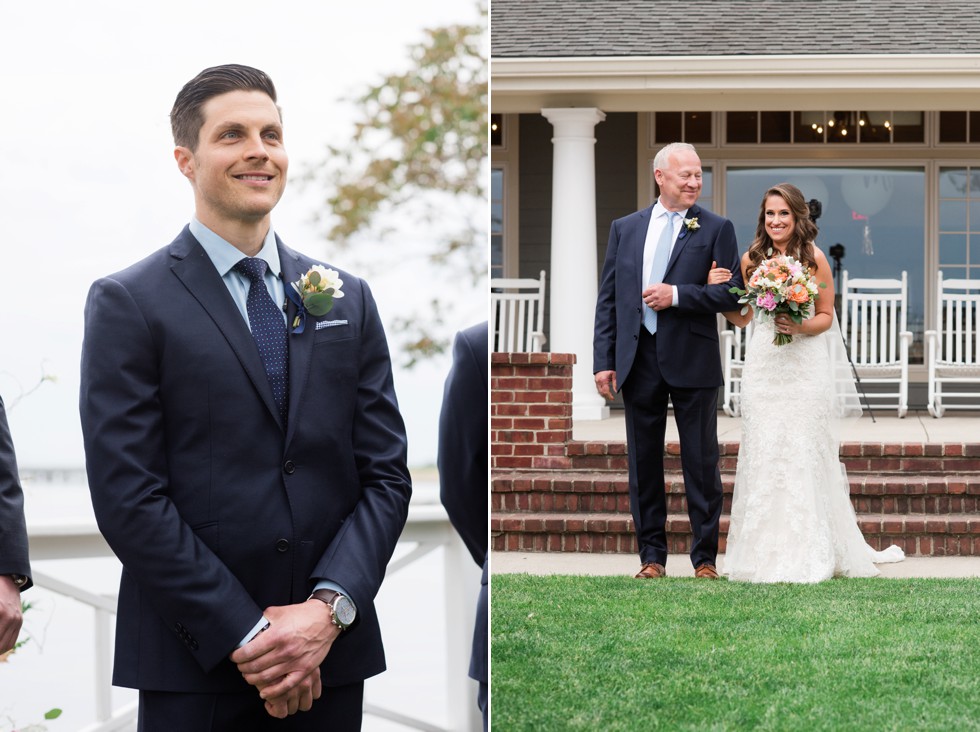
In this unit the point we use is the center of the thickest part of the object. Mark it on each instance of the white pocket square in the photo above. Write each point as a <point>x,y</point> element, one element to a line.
<point>329,323</point>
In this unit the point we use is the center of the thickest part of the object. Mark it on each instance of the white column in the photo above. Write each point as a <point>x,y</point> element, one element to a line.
<point>574,272</point>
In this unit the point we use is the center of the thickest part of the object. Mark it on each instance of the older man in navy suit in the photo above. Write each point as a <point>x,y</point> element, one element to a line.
<point>463,478</point>
<point>656,338</point>
<point>245,452</point>
<point>15,568</point>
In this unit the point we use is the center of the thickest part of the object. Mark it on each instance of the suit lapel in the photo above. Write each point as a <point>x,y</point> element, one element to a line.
<point>194,269</point>
<point>680,243</point>
<point>638,243</point>
<point>300,345</point>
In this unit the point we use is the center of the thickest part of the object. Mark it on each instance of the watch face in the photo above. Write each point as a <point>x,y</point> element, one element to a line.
<point>344,611</point>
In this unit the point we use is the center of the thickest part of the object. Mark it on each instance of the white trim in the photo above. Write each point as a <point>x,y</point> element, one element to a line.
<point>729,83</point>
<point>507,158</point>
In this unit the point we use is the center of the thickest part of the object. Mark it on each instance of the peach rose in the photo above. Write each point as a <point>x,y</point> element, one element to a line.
<point>797,293</point>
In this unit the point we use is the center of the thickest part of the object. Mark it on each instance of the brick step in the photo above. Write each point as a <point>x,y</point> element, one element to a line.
<point>603,492</point>
<point>917,534</point>
<point>866,457</point>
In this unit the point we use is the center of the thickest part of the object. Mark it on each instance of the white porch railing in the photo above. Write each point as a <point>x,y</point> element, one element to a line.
<point>427,529</point>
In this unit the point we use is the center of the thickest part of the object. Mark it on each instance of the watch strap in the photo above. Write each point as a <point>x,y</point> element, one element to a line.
<point>329,597</point>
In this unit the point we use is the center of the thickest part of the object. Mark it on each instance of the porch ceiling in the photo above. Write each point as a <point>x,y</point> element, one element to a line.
<point>731,83</point>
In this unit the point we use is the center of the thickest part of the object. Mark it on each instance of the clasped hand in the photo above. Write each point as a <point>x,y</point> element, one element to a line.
<point>10,614</point>
<point>659,296</point>
<point>283,662</point>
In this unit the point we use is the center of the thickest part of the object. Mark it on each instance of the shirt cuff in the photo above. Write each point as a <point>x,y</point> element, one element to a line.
<point>674,297</point>
<point>259,627</point>
<point>328,585</point>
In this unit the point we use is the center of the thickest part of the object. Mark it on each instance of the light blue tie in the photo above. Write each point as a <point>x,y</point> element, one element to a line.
<point>658,268</point>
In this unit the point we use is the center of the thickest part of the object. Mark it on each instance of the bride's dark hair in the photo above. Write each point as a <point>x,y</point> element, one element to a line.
<point>800,246</point>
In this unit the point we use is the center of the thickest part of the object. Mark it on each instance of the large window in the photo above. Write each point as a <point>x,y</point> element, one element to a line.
<point>496,222</point>
<point>691,127</point>
<point>959,222</point>
<point>843,127</point>
<point>875,213</point>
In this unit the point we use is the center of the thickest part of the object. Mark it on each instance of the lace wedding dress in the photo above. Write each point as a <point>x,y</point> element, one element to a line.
<point>792,519</point>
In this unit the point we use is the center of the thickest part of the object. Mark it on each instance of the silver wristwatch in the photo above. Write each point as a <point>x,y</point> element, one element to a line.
<point>344,610</point>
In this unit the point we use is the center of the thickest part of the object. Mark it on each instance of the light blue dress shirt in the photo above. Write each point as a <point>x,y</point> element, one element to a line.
<point>224,256</point>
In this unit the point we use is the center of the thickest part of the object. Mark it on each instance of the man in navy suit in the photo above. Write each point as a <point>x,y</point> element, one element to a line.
<point>246,457</point>
<point>463,479</point>
<point>15,568</point>
<point>656,339</point>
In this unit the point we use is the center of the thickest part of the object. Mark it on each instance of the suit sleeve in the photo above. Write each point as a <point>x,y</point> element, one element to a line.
<point>123,430</point>
<point>13,528</point>
<point>604,338</point>
<point>357,556</point>
<point>704,298</point>
<point>463,447</point>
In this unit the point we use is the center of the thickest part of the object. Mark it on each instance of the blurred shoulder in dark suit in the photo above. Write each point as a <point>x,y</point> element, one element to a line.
<point>463,477</point>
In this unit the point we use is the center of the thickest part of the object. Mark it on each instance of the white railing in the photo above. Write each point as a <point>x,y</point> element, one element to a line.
<point>427,529</point>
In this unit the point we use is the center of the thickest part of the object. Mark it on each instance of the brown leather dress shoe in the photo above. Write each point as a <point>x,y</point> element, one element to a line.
<point>651,570</point>
<point>706,571</point>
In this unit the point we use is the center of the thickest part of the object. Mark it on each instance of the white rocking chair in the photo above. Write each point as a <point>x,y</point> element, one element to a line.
<point>517,314</point>
<point>734,340</point>
<point>875,326</point>
<point>951,349</point>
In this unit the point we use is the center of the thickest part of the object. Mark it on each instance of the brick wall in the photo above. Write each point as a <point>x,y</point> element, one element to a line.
<point>530,410</point>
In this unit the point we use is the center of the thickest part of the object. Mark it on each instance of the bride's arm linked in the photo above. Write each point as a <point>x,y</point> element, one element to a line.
<point>823,310</point>
<point>720,275</point>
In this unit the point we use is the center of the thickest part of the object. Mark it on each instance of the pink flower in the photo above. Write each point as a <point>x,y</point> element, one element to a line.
<point>766,301</point>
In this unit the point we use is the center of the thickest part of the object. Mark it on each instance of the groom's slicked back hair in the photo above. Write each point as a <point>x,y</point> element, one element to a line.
<point>186,116</point>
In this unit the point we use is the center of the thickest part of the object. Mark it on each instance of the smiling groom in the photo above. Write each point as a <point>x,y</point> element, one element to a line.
<point>245,452</point>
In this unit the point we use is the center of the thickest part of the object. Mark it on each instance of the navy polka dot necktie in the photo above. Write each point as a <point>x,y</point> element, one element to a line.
<point>268,329</point>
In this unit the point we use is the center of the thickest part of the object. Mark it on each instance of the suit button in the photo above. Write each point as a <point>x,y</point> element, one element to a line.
<point>282,545</point>
<point>289,467</point>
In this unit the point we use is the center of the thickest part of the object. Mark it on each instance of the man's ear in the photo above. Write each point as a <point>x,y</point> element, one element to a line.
<point>185,161</point>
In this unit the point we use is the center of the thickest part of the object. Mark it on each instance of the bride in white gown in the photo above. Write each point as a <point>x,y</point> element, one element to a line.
<point>792,519</point>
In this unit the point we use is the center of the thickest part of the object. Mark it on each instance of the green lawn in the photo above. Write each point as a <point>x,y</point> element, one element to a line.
<point>612,653</point>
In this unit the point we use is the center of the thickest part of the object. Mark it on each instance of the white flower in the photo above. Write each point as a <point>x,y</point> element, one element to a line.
<point>321,279</point>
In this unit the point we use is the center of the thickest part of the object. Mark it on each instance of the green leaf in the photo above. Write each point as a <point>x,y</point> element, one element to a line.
<point>52,713</point>
<point>314,278</point>
<point>318,303</point>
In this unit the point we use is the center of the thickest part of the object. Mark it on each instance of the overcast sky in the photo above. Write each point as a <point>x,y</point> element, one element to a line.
<point>88,183</point>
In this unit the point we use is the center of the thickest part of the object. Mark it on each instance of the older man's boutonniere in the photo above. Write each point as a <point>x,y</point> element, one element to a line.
<point>689,225</point>
<point>314,293</point>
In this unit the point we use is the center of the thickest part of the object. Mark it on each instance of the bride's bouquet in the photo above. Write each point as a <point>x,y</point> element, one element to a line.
<point>780,285</point>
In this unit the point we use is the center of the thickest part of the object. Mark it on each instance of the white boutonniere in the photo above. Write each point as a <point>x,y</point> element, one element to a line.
<point>692,224</point>
<point>314,293</point>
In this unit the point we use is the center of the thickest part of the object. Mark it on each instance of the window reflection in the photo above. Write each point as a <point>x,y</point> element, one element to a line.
<point>877,214</point>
